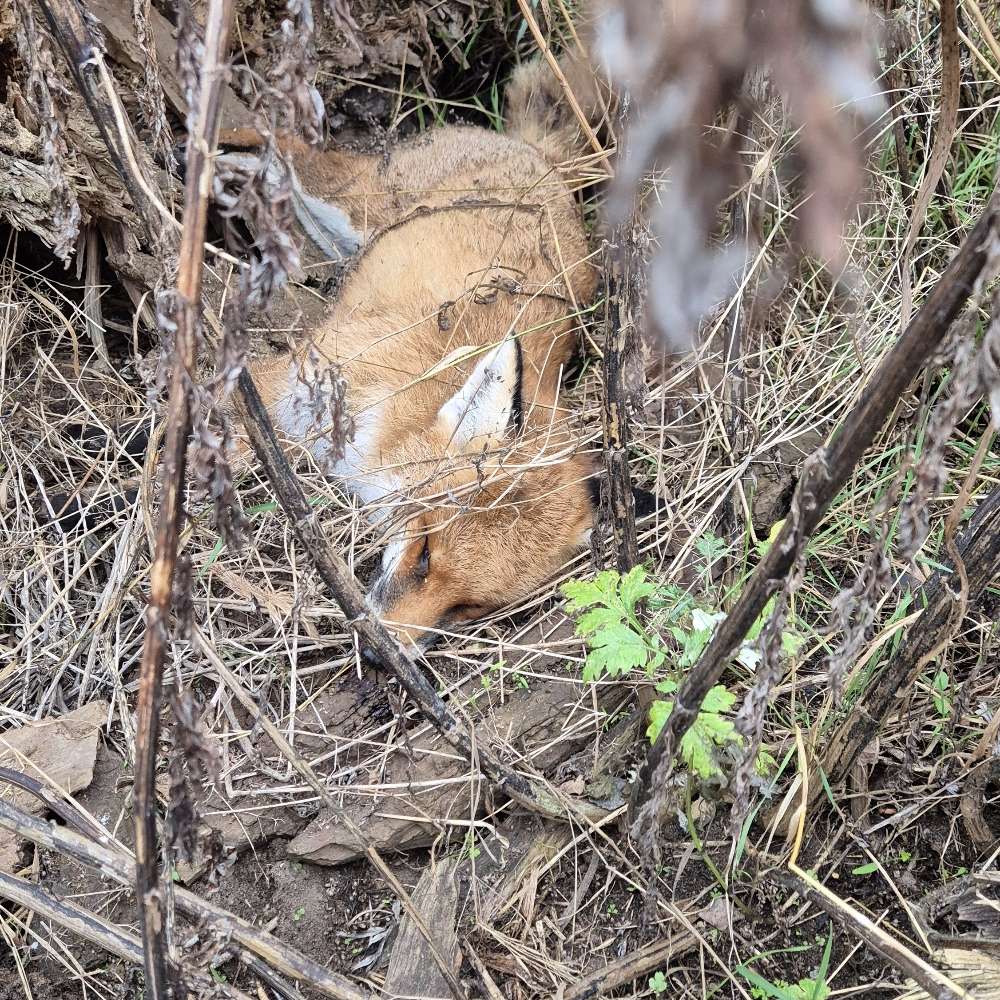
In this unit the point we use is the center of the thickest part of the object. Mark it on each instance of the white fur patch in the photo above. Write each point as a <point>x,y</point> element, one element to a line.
<point>392,556</point>
<point>482,407</point>
<point>359,470</point>
<point>326,225</point>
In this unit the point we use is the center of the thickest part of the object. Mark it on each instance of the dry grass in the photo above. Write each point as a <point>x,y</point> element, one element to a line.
<point>71,606</point>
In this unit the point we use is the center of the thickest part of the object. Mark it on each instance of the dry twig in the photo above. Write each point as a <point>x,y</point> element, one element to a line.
<point>111,860</point>
<point>814,493</point>
<point>182,359</point>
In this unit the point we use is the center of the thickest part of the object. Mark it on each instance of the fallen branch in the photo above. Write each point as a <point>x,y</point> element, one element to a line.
<point>833,466</point>
<point>112,861</point>
<point>630,967</point>
<point>93,928</point>
<point>935,983</point>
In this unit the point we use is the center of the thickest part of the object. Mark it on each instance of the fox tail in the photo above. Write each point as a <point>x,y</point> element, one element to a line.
<point>539,111</point>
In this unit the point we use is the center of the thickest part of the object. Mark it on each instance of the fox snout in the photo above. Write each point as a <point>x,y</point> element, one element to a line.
<point>447,569</point>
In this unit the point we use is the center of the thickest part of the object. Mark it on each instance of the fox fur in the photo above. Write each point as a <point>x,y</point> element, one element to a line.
<point>452,330</point>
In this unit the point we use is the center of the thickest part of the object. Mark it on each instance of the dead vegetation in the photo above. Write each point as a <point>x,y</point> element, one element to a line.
<point>464,826</point>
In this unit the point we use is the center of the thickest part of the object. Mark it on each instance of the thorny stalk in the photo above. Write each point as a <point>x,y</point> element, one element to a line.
<point>201,143</point>
<point>622,370</point>
<point>830,470</point>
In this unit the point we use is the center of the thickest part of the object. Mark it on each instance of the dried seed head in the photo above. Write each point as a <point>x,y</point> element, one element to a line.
<point>684,66</point>
<point>989,360</point>
<point>324,405</point>
<point>181,602</point>
<point>193,767</point>
<point>295,102</point>
<point>855,608</point>
<point>264,200</point>
<point>930,472</point>
<point>190,59</point>
<point>213,477</point>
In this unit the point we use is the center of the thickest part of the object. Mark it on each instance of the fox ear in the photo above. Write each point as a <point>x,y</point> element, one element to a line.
<point>490,400</point>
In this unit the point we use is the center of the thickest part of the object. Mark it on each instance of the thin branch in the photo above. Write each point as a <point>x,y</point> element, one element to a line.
<point>833,466</point>
<point>936,984</point>
<point>111,860</point>
<point>630,967</point>
<point>200,165</point>
<point>85,58</point>
<point>92,927</point>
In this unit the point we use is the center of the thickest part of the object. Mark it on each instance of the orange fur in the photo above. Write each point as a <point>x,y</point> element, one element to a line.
<point>470,238</point>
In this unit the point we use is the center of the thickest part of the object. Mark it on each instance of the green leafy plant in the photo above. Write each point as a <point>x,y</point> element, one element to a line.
<point>608,612</point>
<point>607,609</point>
<point>940,688</point>
<point>469,847</point>
<point>711,729</point>
<point>658,983</point>
<point>816,988</point>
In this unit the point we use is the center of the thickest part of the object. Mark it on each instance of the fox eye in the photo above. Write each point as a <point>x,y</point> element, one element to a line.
<point>424,562</point>
<point>466,610</point>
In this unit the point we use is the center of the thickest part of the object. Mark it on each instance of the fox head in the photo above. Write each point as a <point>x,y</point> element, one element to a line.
<point>500,518</point>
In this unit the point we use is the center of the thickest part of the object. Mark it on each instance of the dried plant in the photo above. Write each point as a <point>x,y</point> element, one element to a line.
<point>324,404</point>
<point>989,360</point>
<point>263,199</point>
<point>150,94</point>
<point>210,439</point>
<point>190,58</point>
<point>181,603</point>
<point>295,102</point>
<point>167,308</point>
<point>930,472</point>
<point>683,65</point>
<point>855,608</point>
<point>750,718</point>
<point>49,97</point>
<point>193,767</point>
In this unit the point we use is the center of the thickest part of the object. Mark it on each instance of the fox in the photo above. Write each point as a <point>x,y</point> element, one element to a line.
<point>452,330</point>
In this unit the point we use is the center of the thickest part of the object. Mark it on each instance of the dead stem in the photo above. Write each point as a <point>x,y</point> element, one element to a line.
<point>835,464</point>
<point>200,165</point>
